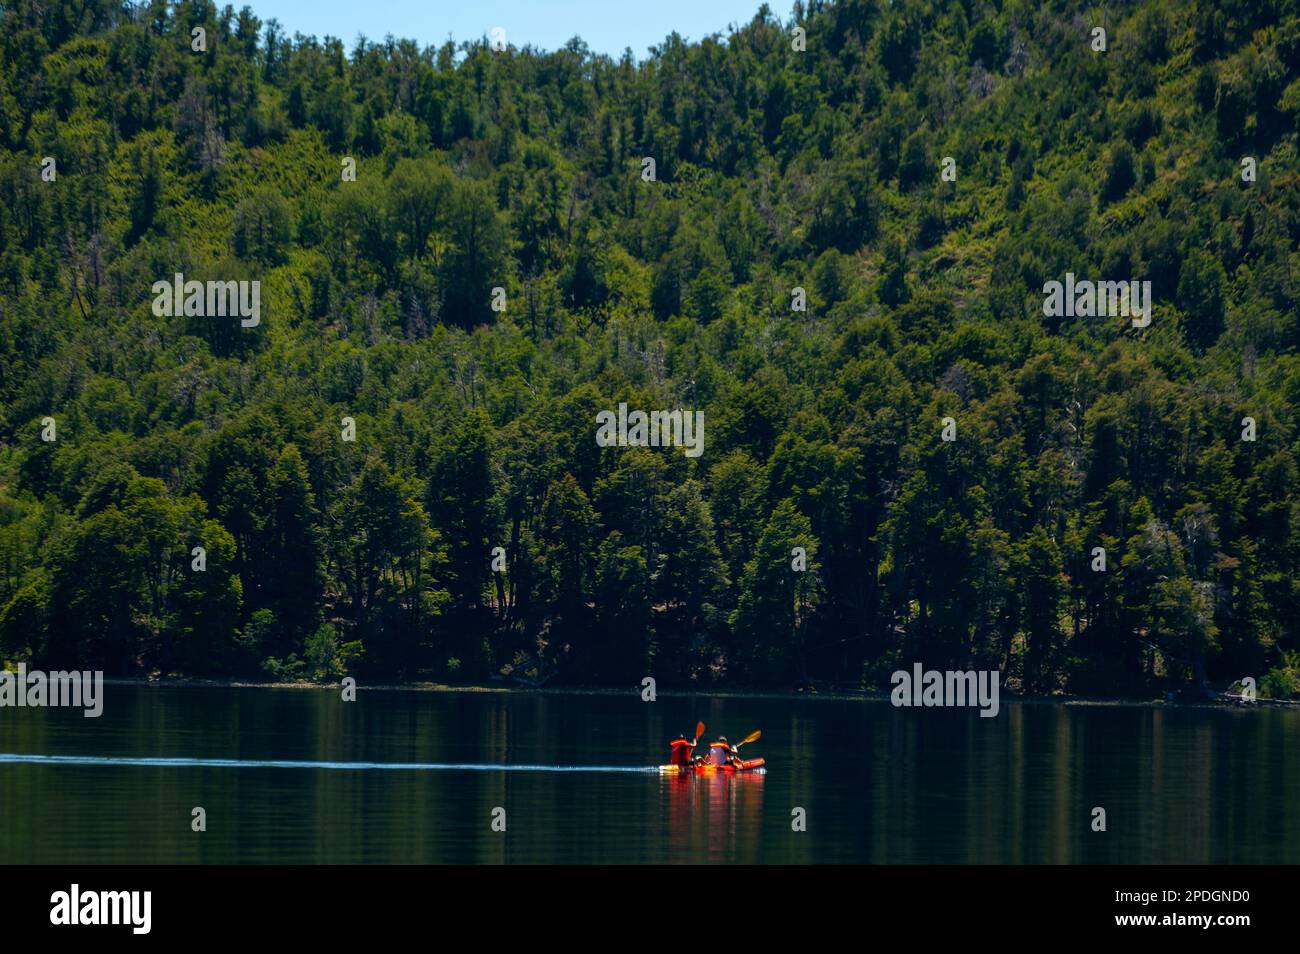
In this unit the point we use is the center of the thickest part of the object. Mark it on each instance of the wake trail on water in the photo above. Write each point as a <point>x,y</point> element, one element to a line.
<point>159,762</point>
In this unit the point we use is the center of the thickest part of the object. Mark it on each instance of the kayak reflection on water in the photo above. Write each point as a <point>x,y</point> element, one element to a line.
<point>716,819</point>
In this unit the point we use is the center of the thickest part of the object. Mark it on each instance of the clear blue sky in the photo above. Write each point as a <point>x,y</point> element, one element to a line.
<point>608,26</point>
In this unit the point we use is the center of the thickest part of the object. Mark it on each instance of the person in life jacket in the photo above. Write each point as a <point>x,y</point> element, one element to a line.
<point>721,752</point>
<point>682,751</point>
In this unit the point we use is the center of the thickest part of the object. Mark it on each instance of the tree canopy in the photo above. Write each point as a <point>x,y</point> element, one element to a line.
<point>839,259</point>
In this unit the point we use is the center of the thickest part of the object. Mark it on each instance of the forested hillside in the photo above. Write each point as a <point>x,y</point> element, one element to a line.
<point>779,173</point>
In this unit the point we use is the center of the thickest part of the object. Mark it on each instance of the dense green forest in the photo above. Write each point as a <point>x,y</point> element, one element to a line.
<point>503,266</point>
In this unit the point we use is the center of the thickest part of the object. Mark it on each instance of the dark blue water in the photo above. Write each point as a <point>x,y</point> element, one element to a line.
<point>293,775</point>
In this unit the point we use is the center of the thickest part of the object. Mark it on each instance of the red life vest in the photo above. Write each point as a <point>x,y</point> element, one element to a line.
<point>681,754</point>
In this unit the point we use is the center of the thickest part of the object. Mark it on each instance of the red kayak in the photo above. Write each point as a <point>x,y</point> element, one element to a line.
<point>747,765</point>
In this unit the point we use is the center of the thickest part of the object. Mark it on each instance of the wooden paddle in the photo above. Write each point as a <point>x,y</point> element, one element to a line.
<point>752,737</point>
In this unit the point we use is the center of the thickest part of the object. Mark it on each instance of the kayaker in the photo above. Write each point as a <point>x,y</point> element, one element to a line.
<point>721,752</point>
<point>682,750</point>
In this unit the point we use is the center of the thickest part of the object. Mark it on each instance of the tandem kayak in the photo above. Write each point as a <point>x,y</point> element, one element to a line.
<point>748,765</point>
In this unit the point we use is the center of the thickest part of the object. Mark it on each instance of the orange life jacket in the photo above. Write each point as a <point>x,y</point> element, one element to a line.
<point>718,752</point>
<point>681,754</point>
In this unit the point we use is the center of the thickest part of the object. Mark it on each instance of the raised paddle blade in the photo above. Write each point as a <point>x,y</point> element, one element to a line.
<point>752,737</point>
<point>699,730</point>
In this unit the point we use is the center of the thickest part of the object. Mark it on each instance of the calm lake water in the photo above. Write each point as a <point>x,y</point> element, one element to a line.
<point>878,784</point>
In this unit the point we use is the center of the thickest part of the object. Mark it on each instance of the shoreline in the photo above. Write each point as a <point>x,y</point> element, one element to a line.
<point>178,682</point>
